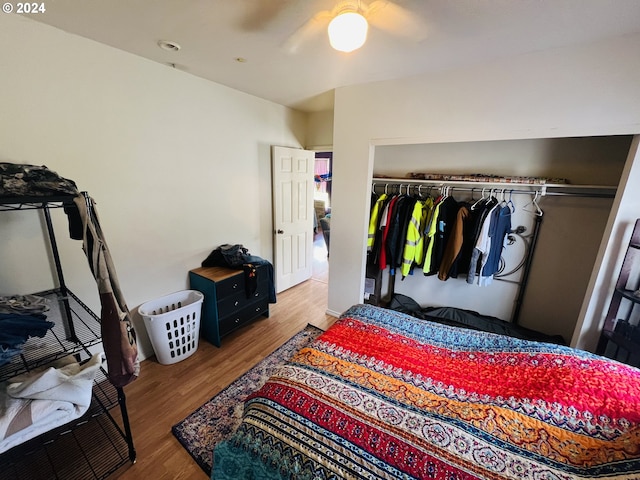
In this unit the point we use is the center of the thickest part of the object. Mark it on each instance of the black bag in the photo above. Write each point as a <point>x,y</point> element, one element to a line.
<point>232,256</point>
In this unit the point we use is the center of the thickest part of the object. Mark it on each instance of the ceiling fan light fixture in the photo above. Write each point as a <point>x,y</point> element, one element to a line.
<point>348,31</point>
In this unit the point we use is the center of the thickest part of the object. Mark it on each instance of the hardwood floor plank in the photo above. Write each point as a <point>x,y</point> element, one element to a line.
<point>163,395</point>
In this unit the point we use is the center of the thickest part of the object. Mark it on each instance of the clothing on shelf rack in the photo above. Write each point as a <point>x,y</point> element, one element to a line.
<point>76,333</point>
<point>38,401</point>
<point>92,443</point>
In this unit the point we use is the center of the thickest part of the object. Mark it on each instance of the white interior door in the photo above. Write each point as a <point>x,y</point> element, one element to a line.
<point>292,184</point>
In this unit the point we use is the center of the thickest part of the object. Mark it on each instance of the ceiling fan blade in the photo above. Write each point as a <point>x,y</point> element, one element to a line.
<point>312,28</point>
<point>261,13</point>
<point>393,18</point>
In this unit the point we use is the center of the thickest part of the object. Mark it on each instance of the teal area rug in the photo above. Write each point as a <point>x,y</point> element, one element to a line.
<point>219,417</point>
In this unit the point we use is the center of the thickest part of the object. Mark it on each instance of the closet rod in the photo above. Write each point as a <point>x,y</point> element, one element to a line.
<point>546,189</point>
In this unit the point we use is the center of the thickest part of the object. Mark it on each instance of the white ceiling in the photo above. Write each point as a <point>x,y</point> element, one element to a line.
<point>214,33</point>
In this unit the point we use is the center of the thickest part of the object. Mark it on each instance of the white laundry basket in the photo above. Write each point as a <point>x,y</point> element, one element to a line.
<point>173,324</point>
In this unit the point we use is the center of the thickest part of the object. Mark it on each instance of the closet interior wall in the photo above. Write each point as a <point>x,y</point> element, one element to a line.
<point>570,234</point>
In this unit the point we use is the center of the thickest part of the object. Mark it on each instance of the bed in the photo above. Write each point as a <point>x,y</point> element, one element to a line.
<point>381,394</point>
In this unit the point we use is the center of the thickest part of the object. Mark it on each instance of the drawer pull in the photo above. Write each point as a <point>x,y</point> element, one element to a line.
<point>237,320</point>
<point>235,285</point>
<point>236,304</point>
<point>258,309</point>
<point>256,294</point>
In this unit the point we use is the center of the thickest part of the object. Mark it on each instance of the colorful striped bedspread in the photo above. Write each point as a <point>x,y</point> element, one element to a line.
<point>383,395</point>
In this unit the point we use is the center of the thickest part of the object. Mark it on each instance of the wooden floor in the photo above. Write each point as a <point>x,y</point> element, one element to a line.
<point>163,395</point>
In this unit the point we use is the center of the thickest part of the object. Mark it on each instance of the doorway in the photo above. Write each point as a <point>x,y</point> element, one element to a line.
<point>322,207</point>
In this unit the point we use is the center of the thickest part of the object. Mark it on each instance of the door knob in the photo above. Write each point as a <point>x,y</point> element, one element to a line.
<point>279,232</point>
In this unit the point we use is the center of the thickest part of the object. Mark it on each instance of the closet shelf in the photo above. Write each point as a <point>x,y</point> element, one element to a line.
<point>606,191</point>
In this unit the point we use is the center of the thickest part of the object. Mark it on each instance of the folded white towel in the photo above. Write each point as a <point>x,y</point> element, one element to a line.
<point>39,401</point>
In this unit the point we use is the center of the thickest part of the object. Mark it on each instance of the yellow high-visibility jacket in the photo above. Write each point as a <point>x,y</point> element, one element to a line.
<point>373,221</point>
<point>429,239</point>
<point>427,210</point>
<point>414,234</point>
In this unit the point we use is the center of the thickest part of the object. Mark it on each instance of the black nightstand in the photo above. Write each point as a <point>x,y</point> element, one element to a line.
<point>227,305</point>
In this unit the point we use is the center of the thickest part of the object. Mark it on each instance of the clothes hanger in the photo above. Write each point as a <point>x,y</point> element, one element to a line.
<point>510,202</point>
<point>502,199</point>
<point>430,189</point>
<point>480,200</point>
<point>539,211</point>
<point>533,207</point>
<point>504,203</point>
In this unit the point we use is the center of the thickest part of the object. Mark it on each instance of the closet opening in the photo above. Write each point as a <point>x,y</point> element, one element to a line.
<point>569,236</point>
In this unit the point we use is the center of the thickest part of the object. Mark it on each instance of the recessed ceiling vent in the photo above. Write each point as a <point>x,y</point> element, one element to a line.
<point>168,45</point>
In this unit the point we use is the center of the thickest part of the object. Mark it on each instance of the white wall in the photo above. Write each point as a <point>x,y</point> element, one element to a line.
<point>320,130</point>
<point>177,165</point>
<point>578,91</point>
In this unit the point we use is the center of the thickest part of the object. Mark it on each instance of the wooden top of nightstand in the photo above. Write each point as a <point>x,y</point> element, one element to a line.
<point>215,274</point>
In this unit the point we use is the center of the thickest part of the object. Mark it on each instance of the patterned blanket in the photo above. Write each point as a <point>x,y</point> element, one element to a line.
<point>383,395</point>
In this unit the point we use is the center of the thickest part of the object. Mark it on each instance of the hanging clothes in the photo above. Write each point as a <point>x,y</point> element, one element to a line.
<point>374,218</point>
<point>481,246</point>
<point>454,245</point>
<point>443,237</point>
<point>470,236</point>
<point>373,254</point>
<point>391,242</point>
<point>385,224</point>
<point>398,241</point>
<point>412,253</point>
<point>497,238</point>
<point>427,211</point>
<point>118,335</point>
<point>444,225</point>
<point>429,236</point>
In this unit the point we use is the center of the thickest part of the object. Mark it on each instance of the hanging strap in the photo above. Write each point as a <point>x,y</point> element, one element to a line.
<point>118,335</point>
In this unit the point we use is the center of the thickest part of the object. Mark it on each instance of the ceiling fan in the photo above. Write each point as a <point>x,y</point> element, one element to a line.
<point>347,24</point>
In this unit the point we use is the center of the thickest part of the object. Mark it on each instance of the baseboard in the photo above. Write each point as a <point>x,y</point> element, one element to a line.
<point>332,313</point>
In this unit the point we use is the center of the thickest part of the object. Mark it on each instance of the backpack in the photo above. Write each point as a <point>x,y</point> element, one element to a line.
<point>227,255</point>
